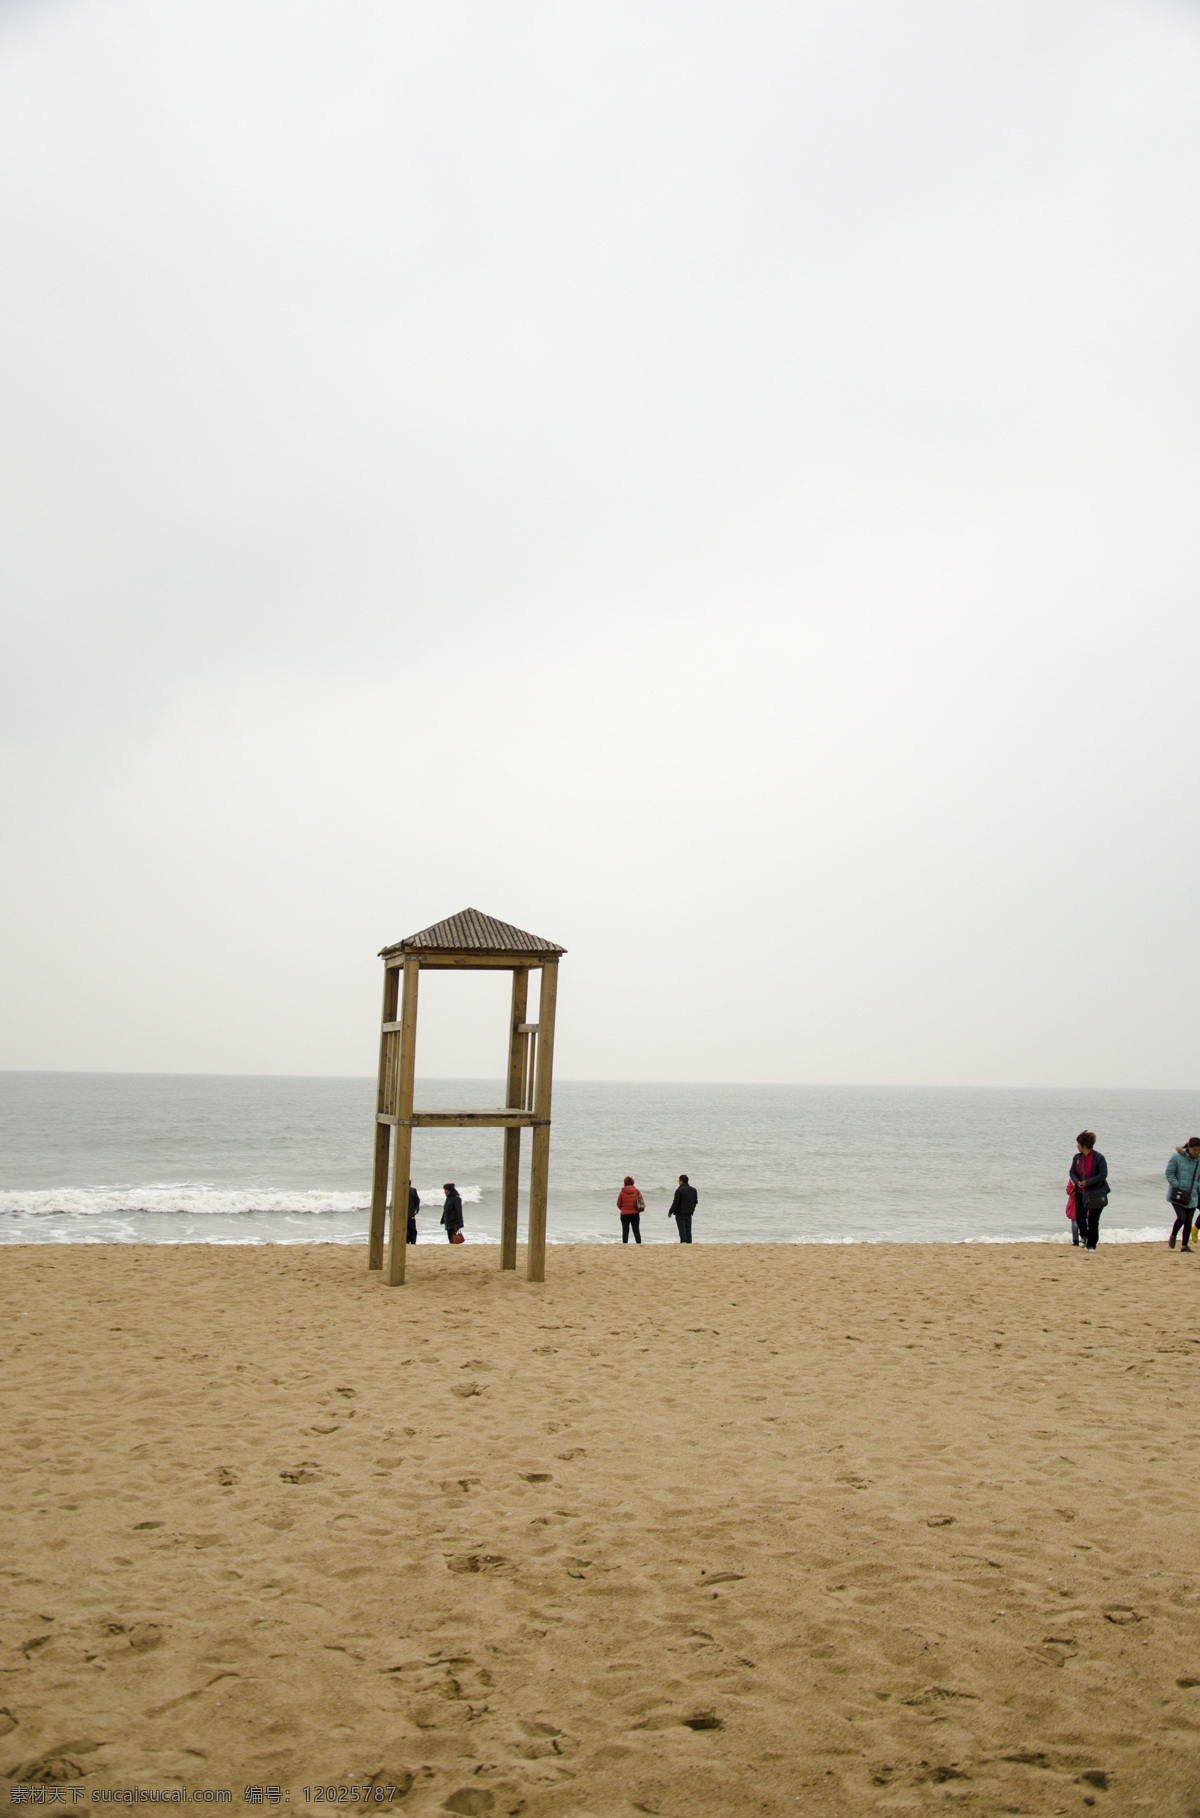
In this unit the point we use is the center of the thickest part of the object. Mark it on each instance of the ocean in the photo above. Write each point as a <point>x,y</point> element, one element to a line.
<point>177,1158</point>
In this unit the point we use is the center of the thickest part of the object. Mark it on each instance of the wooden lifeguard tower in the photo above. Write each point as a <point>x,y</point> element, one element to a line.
<point>466,941</point>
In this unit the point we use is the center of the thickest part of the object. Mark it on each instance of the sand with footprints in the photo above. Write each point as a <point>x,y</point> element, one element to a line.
<point>770,1529</point>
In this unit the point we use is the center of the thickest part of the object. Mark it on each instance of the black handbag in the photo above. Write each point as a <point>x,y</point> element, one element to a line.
<point>1180,1197</point>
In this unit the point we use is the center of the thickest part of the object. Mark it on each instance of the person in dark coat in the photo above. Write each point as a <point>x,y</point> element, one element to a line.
<point>452,1214</point>
<point>682,1207</point>
<point>1089,1183</point>
<point>414,1206</point>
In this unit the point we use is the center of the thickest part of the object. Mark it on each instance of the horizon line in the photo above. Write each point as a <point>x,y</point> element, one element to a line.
<point>571,1080</point>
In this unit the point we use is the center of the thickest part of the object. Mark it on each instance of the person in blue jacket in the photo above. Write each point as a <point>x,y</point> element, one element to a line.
<point>1089,1182</point>
<point>1183,1189</point>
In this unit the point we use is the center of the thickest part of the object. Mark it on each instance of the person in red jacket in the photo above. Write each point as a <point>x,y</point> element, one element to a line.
<point>630,1205</point>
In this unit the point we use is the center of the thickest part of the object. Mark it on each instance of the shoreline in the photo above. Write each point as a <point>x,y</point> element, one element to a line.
<point>1118,1237</point>
<point>817,1528</point>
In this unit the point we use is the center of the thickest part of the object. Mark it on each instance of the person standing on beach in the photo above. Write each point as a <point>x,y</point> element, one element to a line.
<point>1089,1178</point>
<point>630,1205</point>
<point>1183,1189</point>
<point>414,1206</point>
<point>452,1213</point>
<point>682,1207</point>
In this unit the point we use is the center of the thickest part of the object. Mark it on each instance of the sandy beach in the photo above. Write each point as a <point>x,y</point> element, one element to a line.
<point>774,1529</point>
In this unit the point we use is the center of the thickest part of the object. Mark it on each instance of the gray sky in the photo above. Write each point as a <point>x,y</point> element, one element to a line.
<point>714,483</point>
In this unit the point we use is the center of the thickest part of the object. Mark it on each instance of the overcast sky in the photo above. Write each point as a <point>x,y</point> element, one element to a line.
<point>713,482</point>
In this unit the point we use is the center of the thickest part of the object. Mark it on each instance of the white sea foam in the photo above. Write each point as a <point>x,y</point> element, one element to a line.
<point>184,1212</point>
<point>1115,1234</point>
<point>197,1200</point>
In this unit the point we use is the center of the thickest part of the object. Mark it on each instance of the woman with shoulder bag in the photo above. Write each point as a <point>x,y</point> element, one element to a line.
<point>1183,1190</point>
<point>630,1205</point>
<point>1089,1178</point>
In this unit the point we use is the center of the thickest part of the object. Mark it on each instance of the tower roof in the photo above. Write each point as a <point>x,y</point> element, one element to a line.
<point>470,931</point>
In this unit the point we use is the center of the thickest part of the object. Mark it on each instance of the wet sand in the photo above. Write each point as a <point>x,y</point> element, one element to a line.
<point>769,1529</point>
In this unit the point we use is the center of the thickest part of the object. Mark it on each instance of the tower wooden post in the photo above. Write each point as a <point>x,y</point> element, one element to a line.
<point>539,1178</point>
<point>512,1135</point>
<point>406,1073</point>
<point>383,1132</point>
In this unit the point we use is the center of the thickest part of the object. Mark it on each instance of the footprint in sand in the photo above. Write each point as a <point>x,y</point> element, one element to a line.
<point>142,1637</point>
<point>471,1801</point>
<point>56,1767</point>
<point>935,1694</point>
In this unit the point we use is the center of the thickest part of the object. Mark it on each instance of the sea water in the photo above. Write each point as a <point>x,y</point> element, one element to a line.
<point>173,1158</point>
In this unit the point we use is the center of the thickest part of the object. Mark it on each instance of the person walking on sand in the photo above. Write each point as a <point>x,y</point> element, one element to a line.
<point>1183,1190</point>
<point>414,1206</point>
<point>452,1214</point>
<point>630,1205</point>
<point>682,1207</point>
<point>1089,1179</point>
